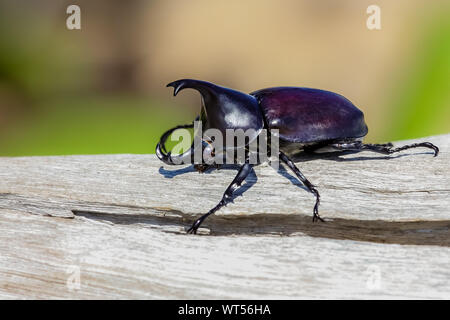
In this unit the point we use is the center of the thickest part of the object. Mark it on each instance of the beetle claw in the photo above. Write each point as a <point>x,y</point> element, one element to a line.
<point>316,217</point>
<point>435,148</point>
<point>193,229</point>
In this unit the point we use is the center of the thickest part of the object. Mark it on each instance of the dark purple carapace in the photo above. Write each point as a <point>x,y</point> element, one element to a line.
<point>307,115</point>
<point>309,120</point>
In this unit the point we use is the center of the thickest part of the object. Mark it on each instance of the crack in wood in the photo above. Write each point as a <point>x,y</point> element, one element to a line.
<point>379,231</point>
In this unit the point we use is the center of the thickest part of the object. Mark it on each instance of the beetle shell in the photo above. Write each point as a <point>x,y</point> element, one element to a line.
<point>305,115</point>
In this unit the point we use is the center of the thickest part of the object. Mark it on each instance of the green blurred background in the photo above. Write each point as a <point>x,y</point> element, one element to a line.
<point>101,89</point>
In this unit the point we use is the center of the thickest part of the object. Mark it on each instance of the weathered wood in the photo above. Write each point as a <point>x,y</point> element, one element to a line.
<point>121,220</point>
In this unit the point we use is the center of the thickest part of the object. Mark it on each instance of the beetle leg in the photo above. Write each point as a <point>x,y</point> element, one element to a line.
<point>383,148</point>
<point>227,196</point>
<point>306,182</point>
<point>165,135</point>
<point>161,151</point>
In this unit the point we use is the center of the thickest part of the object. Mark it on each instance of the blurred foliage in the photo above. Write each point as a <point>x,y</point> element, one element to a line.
<point>422,101</point>
<point>92,125</point>
<point>37,59</point>
<point>99,90</point>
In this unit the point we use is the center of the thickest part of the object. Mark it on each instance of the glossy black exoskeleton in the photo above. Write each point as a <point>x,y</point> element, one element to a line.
<point>307,119</point>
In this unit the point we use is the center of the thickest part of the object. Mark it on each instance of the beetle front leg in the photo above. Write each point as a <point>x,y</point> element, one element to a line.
<point>306,182</point>
<point>165,135</point>
<point>161,151</point>
<point>227,196</point>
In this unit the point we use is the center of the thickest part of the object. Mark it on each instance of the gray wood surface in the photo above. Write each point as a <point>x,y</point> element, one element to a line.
<point>117,224</point>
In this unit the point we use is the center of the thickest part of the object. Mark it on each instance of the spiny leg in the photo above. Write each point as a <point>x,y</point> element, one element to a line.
<point>382,148</point>
<point>166,157</point>
<point>227,196</point>
<point>165,135</point>
<point>306,182</point>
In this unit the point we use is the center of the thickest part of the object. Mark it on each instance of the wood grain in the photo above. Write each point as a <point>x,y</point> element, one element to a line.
<point>121,219</point>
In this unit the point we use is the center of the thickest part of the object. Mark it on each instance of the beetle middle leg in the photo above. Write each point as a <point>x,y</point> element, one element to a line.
<point>306,182</point>
<point>386,148</point>
<point>227,196</point>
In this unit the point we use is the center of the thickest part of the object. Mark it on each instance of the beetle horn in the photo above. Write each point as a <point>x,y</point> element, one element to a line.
<point>205,88</point>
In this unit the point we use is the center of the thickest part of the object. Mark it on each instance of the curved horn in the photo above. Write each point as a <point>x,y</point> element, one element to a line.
<point>205,88</point>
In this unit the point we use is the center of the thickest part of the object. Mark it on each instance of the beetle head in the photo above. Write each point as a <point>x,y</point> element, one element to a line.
<point>224,108</point>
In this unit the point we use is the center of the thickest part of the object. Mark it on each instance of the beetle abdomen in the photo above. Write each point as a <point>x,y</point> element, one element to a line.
<point>310,115</point>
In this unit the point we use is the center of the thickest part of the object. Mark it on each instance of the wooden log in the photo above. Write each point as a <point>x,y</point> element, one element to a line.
<point>113,226</point>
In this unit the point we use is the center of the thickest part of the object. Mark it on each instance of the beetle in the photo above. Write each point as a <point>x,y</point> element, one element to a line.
<point>309,120</point>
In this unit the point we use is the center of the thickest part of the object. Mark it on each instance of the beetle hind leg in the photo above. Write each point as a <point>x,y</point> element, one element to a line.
<point>386,148</point>
<point>391,149</point>
<point>306,183</point>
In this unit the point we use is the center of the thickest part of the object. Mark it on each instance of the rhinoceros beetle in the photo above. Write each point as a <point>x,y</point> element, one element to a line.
<point>310,120</point>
